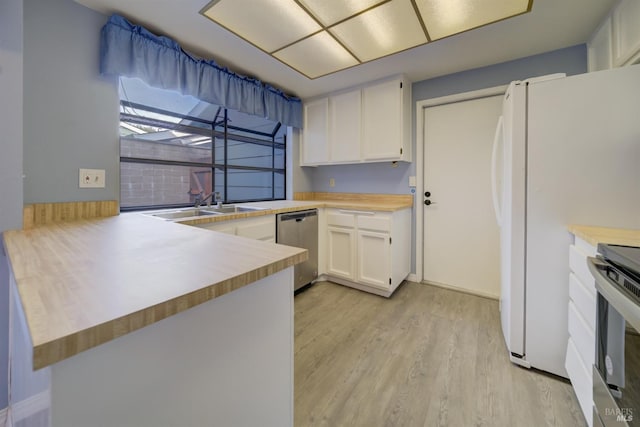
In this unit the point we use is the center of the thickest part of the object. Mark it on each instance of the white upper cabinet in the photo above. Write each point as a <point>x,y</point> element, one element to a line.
<point>385,111</point>
<point>616,41</point>
<point>345,126</point>
<point>315,133</point>
<point>600,55</point>
<point>365,124</point>
<point>626,40</point>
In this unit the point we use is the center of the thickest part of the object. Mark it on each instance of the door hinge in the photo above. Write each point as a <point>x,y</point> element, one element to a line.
<point>389,280</point>
<point>389,240</point>
<point>401,151</point>
<point>400,85</point>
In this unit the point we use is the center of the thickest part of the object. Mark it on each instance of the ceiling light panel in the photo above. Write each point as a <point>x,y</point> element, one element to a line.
<point>444,18</point>
<point>386,29</point>
<point>316,56</point>
<point>331,11</point>
<point>268,24</point>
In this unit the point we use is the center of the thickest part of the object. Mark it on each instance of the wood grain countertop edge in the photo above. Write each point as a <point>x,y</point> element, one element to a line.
<point>65,347</point>
<point>616,236</point>
<point>308,204</point>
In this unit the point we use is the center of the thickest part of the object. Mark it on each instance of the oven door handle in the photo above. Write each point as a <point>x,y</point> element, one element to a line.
<point>628,308</point>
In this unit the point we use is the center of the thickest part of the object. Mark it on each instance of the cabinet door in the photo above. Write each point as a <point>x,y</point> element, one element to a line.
<point>626,31</point>
<point>261,228</point>
<point>315,149</point>
<point>344,127</point>
<point>600,47</point>
<point>374,258</point>
<point>382,120</point>
<point>341,258</point>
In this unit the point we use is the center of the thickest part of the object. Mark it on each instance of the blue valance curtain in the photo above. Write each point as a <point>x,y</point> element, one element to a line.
<point>132,51</point>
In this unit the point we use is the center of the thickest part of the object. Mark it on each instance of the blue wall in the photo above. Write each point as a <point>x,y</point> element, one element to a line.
<point>72,112</point>
<point>11,67</point>
<point>49,81</point>
<point>571,60</point>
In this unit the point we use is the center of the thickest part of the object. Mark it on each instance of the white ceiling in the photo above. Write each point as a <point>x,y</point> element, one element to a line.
<point>552,24</point>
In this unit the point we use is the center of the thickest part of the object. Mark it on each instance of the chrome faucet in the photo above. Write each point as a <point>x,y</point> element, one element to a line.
<point>215,195</point>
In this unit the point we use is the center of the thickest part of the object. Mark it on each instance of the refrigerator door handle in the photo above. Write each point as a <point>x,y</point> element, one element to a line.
<point>494,183</point>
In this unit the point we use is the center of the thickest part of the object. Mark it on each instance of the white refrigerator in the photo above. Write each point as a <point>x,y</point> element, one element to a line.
<point>567,151</point>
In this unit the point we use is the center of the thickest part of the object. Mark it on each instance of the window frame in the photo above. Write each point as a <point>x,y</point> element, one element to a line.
<point>227,134</point>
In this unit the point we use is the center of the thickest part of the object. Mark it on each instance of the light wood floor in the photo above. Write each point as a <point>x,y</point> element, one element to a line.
<point>425,357</point>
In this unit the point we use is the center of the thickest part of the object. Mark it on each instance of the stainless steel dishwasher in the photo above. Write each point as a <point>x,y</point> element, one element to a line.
<point>300,229</point>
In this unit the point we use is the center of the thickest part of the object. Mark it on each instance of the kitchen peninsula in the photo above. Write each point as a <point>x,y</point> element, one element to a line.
<point>133,321</point>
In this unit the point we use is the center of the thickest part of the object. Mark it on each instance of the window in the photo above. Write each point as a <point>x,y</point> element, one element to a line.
<point>175,148</point>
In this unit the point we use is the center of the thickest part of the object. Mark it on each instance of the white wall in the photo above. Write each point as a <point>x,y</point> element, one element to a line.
<point>11,57</point>
<point>70,111</point>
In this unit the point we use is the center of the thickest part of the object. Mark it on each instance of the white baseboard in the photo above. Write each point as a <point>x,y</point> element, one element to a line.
<point>463,290</point>
<point>413,278</point>
<point>3,416</point>
<point>30,406</point>
<point>361,287</point>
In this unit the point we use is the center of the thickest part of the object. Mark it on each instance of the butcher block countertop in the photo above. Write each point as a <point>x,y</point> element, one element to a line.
<point>86,275</point>
<point>615,236</point>
<point>86,282</point>
<point>390,204</point>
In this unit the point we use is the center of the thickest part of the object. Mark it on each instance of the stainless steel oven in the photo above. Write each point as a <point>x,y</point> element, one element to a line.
<point>616,373</point>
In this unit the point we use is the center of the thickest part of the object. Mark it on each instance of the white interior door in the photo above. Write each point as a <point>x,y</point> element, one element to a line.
<point>461,237</point>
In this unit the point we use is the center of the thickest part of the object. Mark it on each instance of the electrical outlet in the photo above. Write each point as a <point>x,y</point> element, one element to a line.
<point>91,178</point>
<point>332,182</point>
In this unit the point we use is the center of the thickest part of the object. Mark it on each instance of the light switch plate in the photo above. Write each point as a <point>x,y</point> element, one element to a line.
<point>91,178</point>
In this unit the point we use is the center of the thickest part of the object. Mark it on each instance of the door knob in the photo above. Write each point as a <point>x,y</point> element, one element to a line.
<point>428,202</point>
<point>427,194</point>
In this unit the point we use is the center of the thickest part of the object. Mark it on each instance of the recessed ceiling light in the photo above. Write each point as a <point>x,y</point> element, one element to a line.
<point>316,37</point>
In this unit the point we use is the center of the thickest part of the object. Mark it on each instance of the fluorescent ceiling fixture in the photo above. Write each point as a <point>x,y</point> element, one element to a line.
<point>445,18</point>
<point>320,37</point>
<point>389,28</point>
<point>332,12</point>
<point>316,56</point>
<point>268,24</point>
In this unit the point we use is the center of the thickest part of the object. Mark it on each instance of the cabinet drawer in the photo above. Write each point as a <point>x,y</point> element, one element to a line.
<point>581,380</point>
<point>582,335</point>
<point>374,223</point>
<point>341,219</point>
<point>584,300</point>
<point>578,264</point>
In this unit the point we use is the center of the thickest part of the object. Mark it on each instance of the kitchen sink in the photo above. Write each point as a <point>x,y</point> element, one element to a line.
<point>184,213</point>
<point>224,209</point>
<point>203,211</point>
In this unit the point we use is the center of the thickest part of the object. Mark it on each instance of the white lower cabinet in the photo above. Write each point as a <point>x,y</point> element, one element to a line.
<point>257,228</point>
<point>374,261</point>
<point>368,250</point>
<point>581,347</point>
<point>341,244</point>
